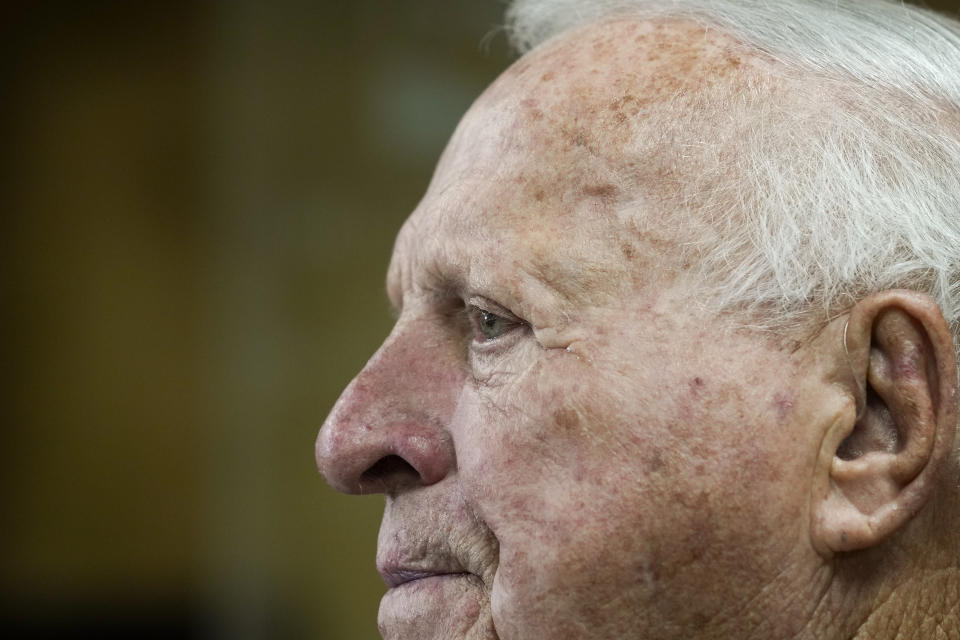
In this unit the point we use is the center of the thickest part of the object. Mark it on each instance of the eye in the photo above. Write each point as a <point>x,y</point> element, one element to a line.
<point>490,326</point>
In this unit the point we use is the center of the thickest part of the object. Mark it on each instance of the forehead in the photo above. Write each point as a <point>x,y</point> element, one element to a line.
<point>567,167</point>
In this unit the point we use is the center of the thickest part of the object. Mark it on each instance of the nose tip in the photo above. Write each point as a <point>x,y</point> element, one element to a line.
<point>363,458</point>
<point>342,472</point>
<point>389,427</point>
<point>345,448</point>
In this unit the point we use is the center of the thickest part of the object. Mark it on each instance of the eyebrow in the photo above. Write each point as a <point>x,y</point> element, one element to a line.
<point>392,310</point>
<point>429,276</point>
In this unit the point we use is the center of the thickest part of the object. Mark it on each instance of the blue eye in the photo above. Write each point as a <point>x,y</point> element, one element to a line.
<point>489,326</point>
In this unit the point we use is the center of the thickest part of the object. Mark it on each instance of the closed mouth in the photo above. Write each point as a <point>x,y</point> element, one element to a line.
<point>398,577</point>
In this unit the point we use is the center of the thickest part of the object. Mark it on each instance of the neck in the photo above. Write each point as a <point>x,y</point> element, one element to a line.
<point>924,608</point>
<point>907,588</point>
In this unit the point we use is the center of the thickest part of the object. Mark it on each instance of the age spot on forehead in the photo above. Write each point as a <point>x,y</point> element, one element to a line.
<point>625,107</point>
<point>617,74</point>
<point>606,192</point>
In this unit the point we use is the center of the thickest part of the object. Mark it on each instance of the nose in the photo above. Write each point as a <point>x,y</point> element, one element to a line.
<point>388,429</point>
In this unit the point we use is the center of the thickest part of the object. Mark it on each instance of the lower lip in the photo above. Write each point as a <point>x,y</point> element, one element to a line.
<point>427,593</point>
<point>429,606</point>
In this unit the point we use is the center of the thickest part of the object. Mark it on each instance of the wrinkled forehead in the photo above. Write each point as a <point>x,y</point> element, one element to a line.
<point>578,140</point>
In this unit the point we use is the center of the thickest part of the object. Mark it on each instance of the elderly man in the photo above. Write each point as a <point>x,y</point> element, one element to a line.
<point>676,344</point>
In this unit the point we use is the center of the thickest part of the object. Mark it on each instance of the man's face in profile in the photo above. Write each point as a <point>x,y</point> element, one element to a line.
<point>570,447</point>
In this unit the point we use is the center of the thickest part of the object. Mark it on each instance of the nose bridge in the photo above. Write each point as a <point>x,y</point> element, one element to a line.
<point>398,405</point>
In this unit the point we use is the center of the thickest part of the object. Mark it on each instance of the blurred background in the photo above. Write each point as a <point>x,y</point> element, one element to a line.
<point>200,202</point>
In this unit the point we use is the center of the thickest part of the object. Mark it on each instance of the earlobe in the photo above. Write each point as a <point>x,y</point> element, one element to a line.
<point>880,457</point>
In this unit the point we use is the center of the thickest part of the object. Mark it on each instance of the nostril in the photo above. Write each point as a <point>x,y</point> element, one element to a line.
<point>390,470</point>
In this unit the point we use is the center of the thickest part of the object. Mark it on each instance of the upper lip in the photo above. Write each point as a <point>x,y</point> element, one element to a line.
<point>404,555</point>
<point>420,541</point>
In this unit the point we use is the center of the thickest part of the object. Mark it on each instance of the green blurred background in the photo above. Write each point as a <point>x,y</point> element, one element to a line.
<point>201,199</point>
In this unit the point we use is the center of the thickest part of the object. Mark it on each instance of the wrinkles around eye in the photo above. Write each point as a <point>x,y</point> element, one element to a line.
<point>500,362</point>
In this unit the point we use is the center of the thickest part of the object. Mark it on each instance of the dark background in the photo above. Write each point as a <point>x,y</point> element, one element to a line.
<point>199,202</point>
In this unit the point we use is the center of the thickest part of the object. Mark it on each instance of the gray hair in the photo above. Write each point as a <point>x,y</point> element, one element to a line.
<point>861,196</point>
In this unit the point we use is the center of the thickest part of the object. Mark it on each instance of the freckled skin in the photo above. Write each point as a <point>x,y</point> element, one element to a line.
<point>608,469</point>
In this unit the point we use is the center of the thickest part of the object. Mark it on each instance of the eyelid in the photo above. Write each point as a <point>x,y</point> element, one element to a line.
<point>485,304</point>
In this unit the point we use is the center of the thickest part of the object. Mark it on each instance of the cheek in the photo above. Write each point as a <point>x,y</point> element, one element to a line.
<point>545,463</point>
<point>597,495</point>
<point>531,448</point>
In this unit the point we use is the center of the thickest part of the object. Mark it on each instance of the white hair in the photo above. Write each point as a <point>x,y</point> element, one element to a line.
<point>847,199</point>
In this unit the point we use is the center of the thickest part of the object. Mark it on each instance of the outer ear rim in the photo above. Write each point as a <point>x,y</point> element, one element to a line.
<point>837,525</point>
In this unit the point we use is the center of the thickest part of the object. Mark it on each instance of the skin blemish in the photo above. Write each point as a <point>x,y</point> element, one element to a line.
<point>907,368</point>
<point>698,540</point>
<point>547,77</point>
<point>699,449</point>
<point>566,419</point>
<point>654,461</point>
<point>602,191</point>
<point>620,103</point>
<point>773,472</point>
<point>602,46</point>
<point>782,405</point>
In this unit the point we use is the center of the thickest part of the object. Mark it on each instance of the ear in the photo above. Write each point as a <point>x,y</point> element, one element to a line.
<point>879,463</point>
